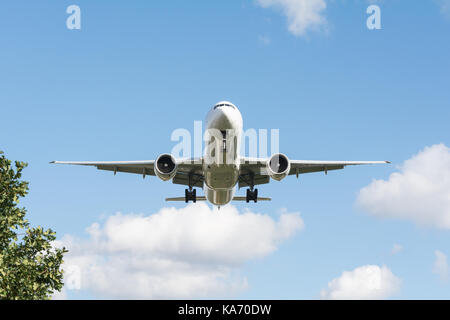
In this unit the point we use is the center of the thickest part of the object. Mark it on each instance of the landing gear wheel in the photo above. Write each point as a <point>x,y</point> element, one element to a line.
<point>190,195</point>
<point>252,195</point>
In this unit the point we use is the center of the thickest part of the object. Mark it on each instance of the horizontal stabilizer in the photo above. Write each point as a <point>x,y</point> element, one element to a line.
<point>245,199</point>
<point>203,198</point>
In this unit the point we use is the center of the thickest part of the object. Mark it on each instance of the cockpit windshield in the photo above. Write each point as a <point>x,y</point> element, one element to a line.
<point>223,105</point>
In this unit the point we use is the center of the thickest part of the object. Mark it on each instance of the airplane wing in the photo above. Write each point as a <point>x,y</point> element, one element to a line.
<point>186,167</point>
<point>256,167</point>
<point>307,166</point>
<point>144,167</point>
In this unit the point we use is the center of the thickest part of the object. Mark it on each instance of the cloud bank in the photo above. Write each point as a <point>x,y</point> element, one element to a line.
<point>302,15</point>
<point>420,192</point>
<point>192,252</point>
<point>366,282</point>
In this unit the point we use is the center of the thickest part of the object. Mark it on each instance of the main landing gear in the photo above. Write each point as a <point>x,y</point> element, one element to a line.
<point>252,195</point>
<point>190,195</point>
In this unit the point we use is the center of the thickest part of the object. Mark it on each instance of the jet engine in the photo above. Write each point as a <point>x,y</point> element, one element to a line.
<point>278,166</point>
<point>165,167</point>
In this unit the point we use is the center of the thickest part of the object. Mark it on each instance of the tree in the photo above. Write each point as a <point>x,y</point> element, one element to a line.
<point>29,264</point>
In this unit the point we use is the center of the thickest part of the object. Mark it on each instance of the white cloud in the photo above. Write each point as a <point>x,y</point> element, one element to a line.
<point>302,15</point>
<point>190,252</point>
<point>420,192</point>
<point>396,248</point>
<point>440,266</point>
<point>60,295</point>
<point>366,282</point>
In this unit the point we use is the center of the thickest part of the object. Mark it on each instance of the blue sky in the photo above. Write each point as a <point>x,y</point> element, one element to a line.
<point>117,88</point>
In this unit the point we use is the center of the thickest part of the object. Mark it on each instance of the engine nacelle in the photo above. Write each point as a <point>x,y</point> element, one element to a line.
<point>165,167</point>
<point>278,166</point>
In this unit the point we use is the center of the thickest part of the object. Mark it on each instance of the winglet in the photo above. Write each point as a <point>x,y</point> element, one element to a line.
<point>387,161</point>
<point>52,162</point>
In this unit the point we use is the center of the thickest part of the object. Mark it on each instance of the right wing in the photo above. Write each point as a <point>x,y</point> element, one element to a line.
<point>307,166</point>
<point>255,168</point>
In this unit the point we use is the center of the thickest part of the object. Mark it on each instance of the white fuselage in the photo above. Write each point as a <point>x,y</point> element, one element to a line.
<point>221,160</point>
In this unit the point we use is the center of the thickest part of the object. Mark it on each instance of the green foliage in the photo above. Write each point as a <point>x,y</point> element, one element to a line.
<point>29,265</point>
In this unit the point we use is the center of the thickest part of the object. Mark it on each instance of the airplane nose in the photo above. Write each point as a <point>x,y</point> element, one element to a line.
<point>221,112</point>
<point>225,118</point>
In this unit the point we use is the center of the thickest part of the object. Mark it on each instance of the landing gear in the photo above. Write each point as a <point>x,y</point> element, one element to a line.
<point>190,195</point>
<point>252,195</point>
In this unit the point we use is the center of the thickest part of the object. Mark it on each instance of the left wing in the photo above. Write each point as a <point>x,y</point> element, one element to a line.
<point>145,167</point>
<point>186,168</point>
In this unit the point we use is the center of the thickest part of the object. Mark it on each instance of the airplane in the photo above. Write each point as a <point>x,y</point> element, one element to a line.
<point>221,168</point>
